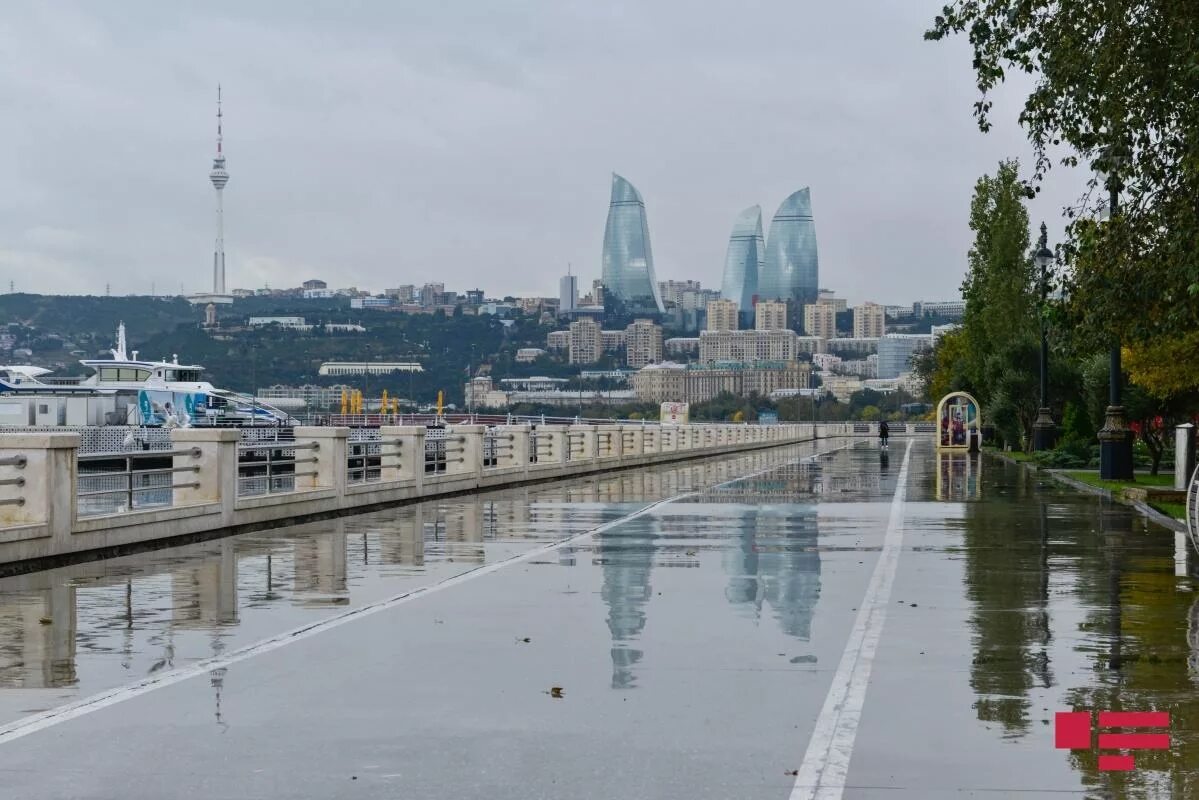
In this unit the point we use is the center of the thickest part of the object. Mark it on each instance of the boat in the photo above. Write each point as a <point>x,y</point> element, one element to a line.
<point>127,390</point>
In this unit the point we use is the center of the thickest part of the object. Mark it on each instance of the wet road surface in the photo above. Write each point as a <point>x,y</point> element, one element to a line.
<point>821,620</point>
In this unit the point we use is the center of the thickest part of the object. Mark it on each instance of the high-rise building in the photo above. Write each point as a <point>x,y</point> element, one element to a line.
<point>869,321</point>
<point>643,343</point>
<point>431,293</point>
<point>791,271</point>
<point>743,261</point>
<point>829,297</point>
<point>628,258</point>
<point>895,351</point>
<point>671,292</point>
<point>568,293</point>
<point>722,315</point>
<point>586,346</point>
<point>820,319</point>
<point>770,315</point>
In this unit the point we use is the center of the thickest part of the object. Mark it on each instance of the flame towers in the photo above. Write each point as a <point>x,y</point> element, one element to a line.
<point>791,271</point>
<point>744,261</point>
<point>219,177</point>
<point>628,268</point>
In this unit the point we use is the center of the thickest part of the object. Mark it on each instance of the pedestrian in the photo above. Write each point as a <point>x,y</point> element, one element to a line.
<point>884,431</point>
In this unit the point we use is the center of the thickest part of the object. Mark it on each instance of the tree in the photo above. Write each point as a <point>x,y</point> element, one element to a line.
<point>1117,88</point>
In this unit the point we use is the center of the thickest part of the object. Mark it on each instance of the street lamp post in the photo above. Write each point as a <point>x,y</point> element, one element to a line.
<point>1115,440</point>
<point>1044,432</point>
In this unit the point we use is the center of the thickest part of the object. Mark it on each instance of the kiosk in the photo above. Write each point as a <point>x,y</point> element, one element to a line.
<point>958,422</point>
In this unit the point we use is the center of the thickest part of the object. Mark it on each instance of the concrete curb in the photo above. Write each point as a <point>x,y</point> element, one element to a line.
<point>1146,510</point>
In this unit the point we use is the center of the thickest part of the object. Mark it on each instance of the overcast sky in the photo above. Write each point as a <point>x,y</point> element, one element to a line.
<point>381,143</point>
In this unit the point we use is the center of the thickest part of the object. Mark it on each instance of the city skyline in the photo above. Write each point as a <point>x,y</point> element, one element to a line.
<point>357,143</point>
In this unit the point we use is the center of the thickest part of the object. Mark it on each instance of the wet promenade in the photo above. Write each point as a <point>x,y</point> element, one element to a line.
<point>821,620</point>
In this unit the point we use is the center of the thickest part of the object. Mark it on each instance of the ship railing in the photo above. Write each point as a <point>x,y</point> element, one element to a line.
<point>112,483</point>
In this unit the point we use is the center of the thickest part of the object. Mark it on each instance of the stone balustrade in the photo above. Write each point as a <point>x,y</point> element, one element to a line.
<point>321,475</point>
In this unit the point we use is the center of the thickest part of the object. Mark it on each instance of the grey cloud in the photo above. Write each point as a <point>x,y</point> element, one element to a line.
<point>377,143</point>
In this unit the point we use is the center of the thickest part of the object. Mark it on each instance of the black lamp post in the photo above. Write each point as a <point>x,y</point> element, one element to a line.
<point>1115,439</point>
<point>1044,432</point>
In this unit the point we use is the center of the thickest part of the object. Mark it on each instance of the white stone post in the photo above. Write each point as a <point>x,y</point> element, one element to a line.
<point>472,450</point>
<point>552,444</point>
<point>634,436</point>
<point>329,471</point>
<point>518,453</point>
<point>217,476</point>
<point>583,443</point>
<point>1184,455</point>
<point>43,470</point>
<point>405,459</point>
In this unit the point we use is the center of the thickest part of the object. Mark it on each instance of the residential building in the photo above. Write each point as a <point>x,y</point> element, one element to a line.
<point>770,315</point>
<point>852,347</point>
<point>315,283</point>
<point>612,341</point>
<point>820,320</point>
<point>671,382</point>
<point>748,346</point>
<point>558,341</point>
<point>585,346</point>
<point>568,293</point>
<point>671,292</point>
<point>404,294</point>
<point>291,323</point>
<point>829,297</point>
<point>643,343</point>
<point>372,302</point>
<point>431,294</point>
<point>791,271</point>
<point>628,260</point>
<point>743,261</point>
<point>681,347</point>
<point>527,355</point>
<point>722,315</point>
<point>869,321</point>
<point>697,299</point>
<point>895,351</point>
<point>950,309</point>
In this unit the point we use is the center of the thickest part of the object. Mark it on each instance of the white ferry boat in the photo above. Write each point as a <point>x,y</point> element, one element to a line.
<point>126,390</point>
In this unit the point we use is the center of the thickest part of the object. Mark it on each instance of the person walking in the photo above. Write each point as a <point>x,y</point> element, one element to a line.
<point>884,432</point>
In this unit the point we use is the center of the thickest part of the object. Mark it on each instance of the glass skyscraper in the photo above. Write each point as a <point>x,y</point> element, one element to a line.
<point>792,270</point>
<point>628,260</point>
<point>744,259</point>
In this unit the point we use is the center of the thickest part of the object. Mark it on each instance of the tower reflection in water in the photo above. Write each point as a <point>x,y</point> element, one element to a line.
<point>768,543</point>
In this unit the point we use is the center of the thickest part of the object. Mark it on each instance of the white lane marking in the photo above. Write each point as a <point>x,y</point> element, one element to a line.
<point>825,766</point>
<point>69,711</point>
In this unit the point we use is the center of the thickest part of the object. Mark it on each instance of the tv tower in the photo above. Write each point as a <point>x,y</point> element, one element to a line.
<point>219,177</point>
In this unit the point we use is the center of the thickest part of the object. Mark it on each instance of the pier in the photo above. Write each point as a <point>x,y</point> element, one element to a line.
<point>57,503</point>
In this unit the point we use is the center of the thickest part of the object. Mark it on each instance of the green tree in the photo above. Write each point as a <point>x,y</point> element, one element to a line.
<point>1117,88</point>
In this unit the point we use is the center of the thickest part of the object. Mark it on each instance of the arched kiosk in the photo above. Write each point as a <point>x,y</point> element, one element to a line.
<point>958,422</point>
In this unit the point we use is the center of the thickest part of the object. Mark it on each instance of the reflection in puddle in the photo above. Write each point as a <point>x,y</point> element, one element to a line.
<point>91,626</point>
